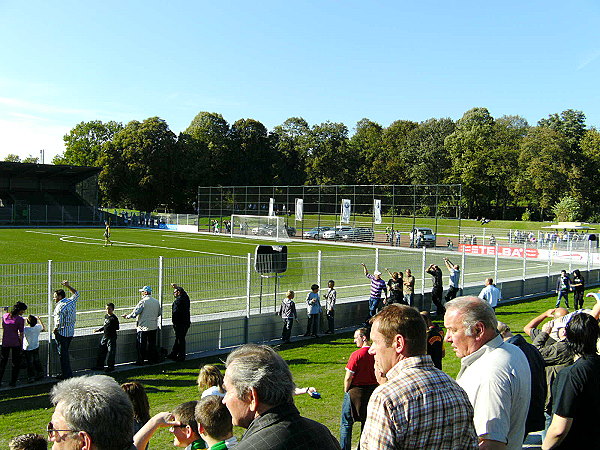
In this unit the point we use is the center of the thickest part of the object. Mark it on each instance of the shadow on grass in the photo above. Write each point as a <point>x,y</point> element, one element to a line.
<point>513,313</point>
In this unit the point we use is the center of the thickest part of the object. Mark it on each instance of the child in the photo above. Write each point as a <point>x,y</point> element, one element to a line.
<point>330,299</point>
<point>214,423</point>
<point>31,348</point>
<point>287,311</point>
<point>108,343</point>
<point>313,309</point>
<point>29,441</point>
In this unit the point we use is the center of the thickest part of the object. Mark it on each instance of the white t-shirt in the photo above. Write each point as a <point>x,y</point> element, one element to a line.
<point>213,390</point>
<point>31,336</point>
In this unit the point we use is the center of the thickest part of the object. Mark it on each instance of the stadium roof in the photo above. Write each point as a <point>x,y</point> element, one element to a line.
<point>41,171</point>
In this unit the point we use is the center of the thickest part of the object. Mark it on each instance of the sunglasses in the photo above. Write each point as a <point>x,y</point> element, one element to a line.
<point>51,431</point>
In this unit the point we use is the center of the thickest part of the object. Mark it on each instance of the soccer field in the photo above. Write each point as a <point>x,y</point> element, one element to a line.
<point>215,269</point>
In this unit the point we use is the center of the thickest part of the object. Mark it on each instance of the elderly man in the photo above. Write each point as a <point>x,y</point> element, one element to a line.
<point>359,384</point>
<point>490,293</point>
<point>147,312</point>
<point>65,314</point>
<point>494,374</point>
<point>377,286</point>
<point>259,397</point>
<point>419,407</point>
<point>91,412</point>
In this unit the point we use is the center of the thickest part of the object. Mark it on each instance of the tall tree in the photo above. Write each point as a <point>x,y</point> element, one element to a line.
<point>392,165</point>
<point>138,165</point>
<point>543,171</point>
<point>255,156</point>
<point>210,134</point>
<point>292,145</point>
<point>84,142</point>
<point>430,162</point>
<point>367,144</point>
<point>590,195</point>
<point>571,124</point>
<point>470,147</point>
<point>329,160</point>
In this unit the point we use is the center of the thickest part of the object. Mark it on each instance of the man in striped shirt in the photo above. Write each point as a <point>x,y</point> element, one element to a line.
<point>419,407</point>
<point>65,313</point>
<point>377,285</point>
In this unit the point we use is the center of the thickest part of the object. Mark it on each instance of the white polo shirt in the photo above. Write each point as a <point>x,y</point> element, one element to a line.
<point>497,380</point>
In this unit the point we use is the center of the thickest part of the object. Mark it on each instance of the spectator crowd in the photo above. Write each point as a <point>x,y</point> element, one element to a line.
<point>393,383</point>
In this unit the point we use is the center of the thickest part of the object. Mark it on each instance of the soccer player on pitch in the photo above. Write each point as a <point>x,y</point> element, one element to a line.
<point>107,234</point>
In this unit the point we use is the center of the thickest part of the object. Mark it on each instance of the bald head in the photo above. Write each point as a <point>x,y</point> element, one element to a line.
<point>560,312</point>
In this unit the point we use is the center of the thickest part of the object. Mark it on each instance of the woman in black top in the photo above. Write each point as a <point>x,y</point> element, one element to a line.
<point>578,285</point>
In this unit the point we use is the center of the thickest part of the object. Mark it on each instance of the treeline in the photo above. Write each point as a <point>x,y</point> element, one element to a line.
<point>508,168</point>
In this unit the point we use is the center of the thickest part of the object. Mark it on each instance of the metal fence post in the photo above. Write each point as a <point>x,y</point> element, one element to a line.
<point>463,260</point>
<point>589,251</point>
<point>376,259</point>
<point>549,257</point>
<point>570,255</point>
<point>423,265</point>
<point>496,264</point>
<point>248,296</point>
<point>160,299</point>
<point>319,266</point>
<point>50,320</point>
<point>524,268</point>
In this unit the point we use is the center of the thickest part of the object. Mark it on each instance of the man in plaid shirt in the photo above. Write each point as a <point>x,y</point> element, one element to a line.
<point>419,406</point>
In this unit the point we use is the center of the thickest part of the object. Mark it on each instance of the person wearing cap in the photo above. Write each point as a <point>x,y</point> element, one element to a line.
<point>147,312</point>
<point>377,285</point>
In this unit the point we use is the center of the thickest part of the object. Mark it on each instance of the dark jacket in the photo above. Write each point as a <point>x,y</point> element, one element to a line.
<point>181,309</point>
<point>282,428</point>
<point>111,325</point>
<point>557,355</point>
<point>535,417</point>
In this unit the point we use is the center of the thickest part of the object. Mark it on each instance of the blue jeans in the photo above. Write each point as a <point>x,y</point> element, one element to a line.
<point>373,303</point>
<point>62,347</point>
<point>565,295</point>
<point>409,298</point>
<point>346,424</point>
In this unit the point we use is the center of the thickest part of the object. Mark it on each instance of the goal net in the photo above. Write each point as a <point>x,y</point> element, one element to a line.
<point>262,227</point>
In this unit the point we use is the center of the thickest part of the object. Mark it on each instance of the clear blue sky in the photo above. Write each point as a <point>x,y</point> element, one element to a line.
<point>70,61</point>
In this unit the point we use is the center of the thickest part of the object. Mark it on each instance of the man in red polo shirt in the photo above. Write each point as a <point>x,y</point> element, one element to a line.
<point>359,383</point>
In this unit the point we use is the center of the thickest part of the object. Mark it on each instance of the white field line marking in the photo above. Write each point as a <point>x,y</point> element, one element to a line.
<point>134,244</point>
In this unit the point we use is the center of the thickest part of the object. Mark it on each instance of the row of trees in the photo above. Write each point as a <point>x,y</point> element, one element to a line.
<point>508,168</point>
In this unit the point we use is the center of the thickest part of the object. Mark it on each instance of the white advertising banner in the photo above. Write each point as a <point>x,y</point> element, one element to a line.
<point>299,209</point>
<point>377,211</point>
<point>346,210</point>
<point>271,207</point>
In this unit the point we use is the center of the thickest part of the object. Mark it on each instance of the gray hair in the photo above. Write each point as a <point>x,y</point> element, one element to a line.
<point>473,310</point>
<point>97,405</point>
<point>260,368</point>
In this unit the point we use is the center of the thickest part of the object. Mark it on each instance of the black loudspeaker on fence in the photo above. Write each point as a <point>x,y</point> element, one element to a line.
<point>270,258</point>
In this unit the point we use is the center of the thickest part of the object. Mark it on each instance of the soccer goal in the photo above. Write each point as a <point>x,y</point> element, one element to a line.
<point>261,227</point>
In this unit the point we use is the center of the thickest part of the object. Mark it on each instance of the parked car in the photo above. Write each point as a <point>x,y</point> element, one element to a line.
<point>422,237</point>
<point>359,234</point>
<point>337,232</point>
<point>291,231</point>
<point>316,232</point>
<point>264,230</point>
